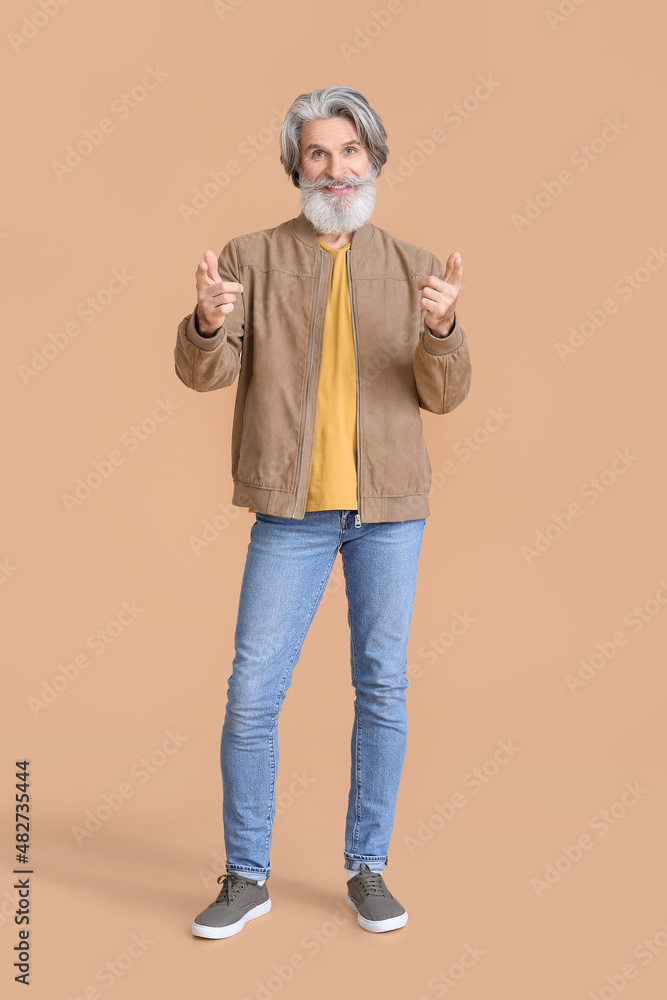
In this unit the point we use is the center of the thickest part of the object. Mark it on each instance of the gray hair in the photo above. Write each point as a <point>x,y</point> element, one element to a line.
<point>332,102</point>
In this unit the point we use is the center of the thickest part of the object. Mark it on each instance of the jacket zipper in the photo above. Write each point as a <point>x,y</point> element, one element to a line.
<point>312,349</point>
<point>357,516</point>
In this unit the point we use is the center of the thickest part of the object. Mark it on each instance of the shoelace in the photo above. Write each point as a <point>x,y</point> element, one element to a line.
<point>370,882</point>
<point>231,884</point>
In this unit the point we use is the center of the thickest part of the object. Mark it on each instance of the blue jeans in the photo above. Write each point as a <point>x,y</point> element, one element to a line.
<point>287,567</point>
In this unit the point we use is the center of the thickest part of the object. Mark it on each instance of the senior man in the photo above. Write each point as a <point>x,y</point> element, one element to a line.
<point>339,333</point>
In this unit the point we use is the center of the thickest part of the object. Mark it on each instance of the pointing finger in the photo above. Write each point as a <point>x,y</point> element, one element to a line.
<point>207,270</point>
<point>212,265</point>
<point>207,274</point>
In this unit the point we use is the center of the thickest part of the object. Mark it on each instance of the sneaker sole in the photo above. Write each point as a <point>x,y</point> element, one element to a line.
<point>377,926</point>
<point>206,931</point>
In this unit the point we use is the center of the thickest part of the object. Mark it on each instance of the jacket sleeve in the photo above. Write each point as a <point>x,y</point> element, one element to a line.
<point>442,364</point>
<point>205,363</point>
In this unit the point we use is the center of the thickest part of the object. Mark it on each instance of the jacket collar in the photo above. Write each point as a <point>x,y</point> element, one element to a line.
<point>305,231</point>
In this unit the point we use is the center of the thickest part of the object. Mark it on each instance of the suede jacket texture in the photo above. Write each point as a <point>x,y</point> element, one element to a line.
<point>272,340</point>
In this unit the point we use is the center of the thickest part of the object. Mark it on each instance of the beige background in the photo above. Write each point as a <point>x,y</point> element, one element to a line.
<point>473,880</point>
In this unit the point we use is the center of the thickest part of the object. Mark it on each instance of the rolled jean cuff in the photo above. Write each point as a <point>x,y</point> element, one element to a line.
<point>353,862</point>
<point>251,873</point>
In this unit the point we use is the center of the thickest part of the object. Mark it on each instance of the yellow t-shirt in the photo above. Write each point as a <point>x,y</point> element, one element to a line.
<point>333,474</point>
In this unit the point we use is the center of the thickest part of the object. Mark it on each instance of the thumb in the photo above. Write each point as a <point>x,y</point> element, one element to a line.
<point>454,269</point>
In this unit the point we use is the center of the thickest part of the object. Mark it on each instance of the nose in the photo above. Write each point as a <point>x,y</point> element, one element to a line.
<point>338,166</point>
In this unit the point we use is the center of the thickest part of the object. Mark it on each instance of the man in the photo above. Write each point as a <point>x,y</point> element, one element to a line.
<point>339,333</point>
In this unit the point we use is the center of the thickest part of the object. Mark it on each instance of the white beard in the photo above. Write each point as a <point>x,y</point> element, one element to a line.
<point>334,213</point>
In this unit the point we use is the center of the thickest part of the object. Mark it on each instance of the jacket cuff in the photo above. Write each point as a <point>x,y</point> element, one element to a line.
<point>443,345</point>
<point>206,343</point>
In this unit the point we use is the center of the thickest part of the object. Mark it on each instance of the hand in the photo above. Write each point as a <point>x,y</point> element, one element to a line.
<point>441,294</point>
<point>215,297</point>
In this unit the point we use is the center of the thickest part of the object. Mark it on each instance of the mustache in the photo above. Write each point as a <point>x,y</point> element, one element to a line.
<point>323,182</point>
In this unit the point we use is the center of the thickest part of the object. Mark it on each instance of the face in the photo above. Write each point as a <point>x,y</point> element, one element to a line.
<point>337,182</point>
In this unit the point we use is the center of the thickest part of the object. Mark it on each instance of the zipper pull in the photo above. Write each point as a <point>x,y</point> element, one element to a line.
<point>357,520</point>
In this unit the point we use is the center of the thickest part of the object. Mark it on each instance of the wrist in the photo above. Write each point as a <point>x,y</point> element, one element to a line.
<point>202,330</point>
<point>445,328</point>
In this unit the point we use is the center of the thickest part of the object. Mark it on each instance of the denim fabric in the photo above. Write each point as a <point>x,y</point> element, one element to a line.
<point>287,567</point>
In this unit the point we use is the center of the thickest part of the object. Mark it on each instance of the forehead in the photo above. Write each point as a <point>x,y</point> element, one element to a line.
<point>331,133</point>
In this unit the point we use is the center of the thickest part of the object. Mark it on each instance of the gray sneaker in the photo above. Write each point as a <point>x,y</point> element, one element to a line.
<point>239,900</point>
<point>377,909</point>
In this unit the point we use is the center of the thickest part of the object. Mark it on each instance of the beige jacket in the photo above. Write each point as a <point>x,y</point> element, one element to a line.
<point>272,340</point>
